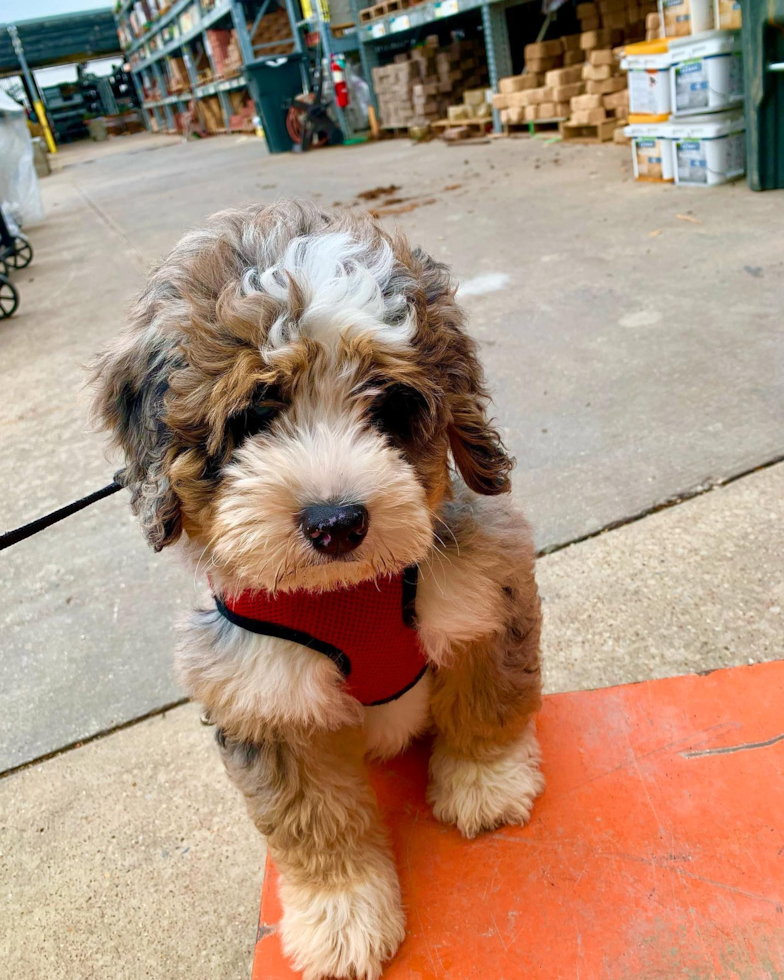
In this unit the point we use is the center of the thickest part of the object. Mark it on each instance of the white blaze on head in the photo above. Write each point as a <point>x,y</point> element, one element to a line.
<point>345,291</point>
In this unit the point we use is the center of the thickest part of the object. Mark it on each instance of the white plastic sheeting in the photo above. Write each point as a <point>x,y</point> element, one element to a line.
<point>19,193</point>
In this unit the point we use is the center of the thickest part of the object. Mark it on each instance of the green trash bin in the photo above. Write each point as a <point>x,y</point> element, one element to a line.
<point>274,82</point>
<point>763,59</point>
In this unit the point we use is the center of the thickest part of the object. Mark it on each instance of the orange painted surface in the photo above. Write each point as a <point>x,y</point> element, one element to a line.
<point>655,853</point>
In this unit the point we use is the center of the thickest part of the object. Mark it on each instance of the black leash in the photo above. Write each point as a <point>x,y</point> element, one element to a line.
<point>28,530</point>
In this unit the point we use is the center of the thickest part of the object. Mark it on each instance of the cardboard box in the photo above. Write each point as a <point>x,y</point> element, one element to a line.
<point>612,7</point>
<point>602,56</point>
<point>563,93</point>
<point>590,24</point>
<point>562,76</point>
<point>596,73</point>
<point>573,58</point>
<point>730,18</point>
<point>587,10</point>
<point>609,85</point>
<point>500,101</point>
<point>546,111</point>
<point>542,49</point>
<point>588,117</point>
<point>652,22</point>
<point>580,102</point>
<point>530,113</point>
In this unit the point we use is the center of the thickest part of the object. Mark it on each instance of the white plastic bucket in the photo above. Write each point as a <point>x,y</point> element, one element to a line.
<point>649,84</point>
<point>682,18</point>
<point>651,151</point>
<point>708,150</point>
<point>706,73</point>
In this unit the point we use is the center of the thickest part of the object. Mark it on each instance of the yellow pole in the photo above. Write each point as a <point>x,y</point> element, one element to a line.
<point>32,86</point>
<point>41,113</point>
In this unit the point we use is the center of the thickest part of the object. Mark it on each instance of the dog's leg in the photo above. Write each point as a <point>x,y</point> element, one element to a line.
<point>342,915</point>
<point>484,770</point>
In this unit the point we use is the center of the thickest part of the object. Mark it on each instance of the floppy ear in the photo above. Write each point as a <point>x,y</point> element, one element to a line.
<point>476,446</point>
<point>131,380</point>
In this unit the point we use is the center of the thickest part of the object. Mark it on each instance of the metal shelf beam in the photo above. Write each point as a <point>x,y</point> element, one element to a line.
<point>223,10</point>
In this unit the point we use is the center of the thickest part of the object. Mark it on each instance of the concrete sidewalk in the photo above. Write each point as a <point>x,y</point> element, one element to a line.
<point>132,857</point>
<point>631,334</point>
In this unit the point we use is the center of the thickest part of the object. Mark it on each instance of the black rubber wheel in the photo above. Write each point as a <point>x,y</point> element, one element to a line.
<point>9,298</point>
<point>22,254</point>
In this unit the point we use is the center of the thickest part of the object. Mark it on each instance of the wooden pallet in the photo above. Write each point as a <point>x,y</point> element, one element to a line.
<point>383,9</point>
<point>447,124</point>
<point>534,126</point>
<point>598,133</point>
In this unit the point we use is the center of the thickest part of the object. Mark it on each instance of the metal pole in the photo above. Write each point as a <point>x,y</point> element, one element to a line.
<point>33,86</point>
<point>241,27</point>
<point>499,53</point>
<point>140,96</point>
<point>156,70</point>
<point>326,47</point>
<point>368,56</point>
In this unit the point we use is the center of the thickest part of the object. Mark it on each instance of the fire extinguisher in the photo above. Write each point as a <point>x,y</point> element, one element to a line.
<point>337,66</point>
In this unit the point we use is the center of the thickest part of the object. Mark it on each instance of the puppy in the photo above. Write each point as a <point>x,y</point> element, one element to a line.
<point>298,402</point>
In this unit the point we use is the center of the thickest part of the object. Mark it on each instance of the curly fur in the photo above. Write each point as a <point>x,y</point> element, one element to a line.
<point>289,355</point>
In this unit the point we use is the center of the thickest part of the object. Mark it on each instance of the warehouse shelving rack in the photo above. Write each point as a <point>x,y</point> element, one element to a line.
<point>149,53</point>
<point>405,23</point>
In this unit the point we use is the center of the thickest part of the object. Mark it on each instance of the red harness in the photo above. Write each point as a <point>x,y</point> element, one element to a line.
<point>367,630</point>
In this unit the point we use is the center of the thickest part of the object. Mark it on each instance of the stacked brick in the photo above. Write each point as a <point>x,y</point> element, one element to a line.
<point>552,77</point>
<point>577,78</point>
<point>419,87</point>
<point>225,51</point>
<point>605,95</point>
<point>626,16</point>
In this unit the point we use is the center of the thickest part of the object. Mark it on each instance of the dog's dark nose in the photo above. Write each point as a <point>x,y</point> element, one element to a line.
<point>334,529</point>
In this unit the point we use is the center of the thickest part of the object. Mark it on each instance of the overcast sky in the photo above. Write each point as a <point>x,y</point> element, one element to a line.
<point>11,10</point>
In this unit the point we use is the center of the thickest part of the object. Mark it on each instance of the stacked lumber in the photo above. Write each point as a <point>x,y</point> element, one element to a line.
<point>419,87</point>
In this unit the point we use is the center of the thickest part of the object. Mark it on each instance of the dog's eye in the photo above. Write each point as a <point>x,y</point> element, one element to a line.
<point>399,411</point>
<point>251,421</point>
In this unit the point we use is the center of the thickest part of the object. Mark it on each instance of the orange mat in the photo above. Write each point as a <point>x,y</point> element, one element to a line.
<point>655,853</point>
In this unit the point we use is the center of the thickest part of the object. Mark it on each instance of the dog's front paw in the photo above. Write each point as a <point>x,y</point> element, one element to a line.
<point>343,933</point>
<point>478,796</point>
